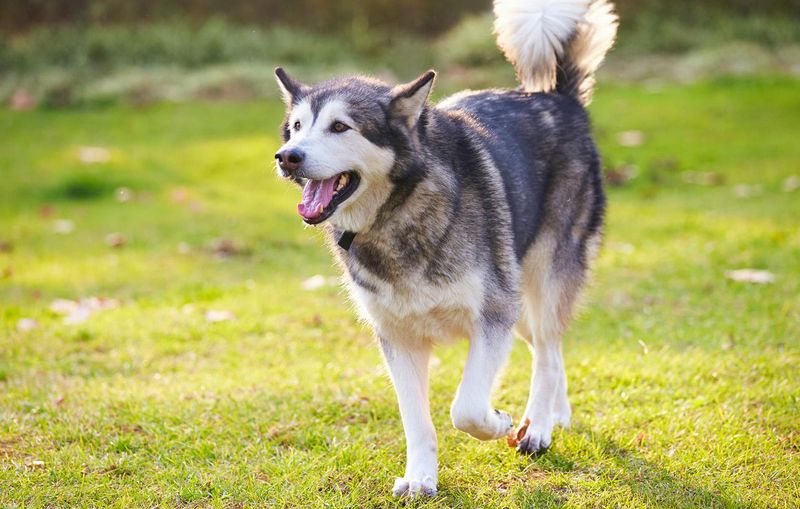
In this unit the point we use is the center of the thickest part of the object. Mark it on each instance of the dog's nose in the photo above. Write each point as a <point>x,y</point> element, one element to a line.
<point>290,160</point>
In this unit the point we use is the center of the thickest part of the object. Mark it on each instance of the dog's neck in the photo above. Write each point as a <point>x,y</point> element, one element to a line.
<point>407,230</point>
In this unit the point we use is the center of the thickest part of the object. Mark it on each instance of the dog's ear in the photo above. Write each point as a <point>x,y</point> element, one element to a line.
<point>409,100</point>
<point>291,89</point>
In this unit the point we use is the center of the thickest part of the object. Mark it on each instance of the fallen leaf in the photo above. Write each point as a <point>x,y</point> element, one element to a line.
<point>751,276</point>
<point>6,246</point>
<point>313,283</point>
<point>123,194</point>
<point>620,175</point>
<point>79,315</point>
<point>63,226</point>
<point>22,100</point>
<point>640,439</point>
<point>216,315</point>
<point>791,184</point>
<point>26,324</point>
<point>93,155</point>
<point>515,437</point>
<point>702,178</point>
<point>224,247</point>
<point>32,463</point>
<point>747,191</point>
<point>196,207</point>
<point>115,239</point>
<point>179,194</point>
<point>47,211</point>
<point>77,312</point>
<point>63,306</point>
<point>630,138</point>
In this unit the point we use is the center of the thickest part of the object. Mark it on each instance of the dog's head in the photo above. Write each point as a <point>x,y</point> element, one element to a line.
<point>343,140</point>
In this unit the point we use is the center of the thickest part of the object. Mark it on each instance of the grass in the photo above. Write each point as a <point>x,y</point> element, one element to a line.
<point>684,384</point>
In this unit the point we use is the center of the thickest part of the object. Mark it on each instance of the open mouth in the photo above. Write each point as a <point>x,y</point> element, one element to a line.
<point>321,197</point>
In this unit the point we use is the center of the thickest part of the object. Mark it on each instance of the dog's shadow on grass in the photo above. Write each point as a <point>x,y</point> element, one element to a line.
<point>623,468</point>
<point>547,480</point>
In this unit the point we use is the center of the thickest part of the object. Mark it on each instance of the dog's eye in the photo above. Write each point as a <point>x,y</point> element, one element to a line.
<point>297,126</point>
<point>339,127</point>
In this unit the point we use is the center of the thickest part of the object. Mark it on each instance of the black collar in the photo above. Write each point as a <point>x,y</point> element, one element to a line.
<point>346,239</point>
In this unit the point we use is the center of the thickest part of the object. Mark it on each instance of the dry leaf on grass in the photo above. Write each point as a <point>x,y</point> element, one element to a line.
<point>26,324</point>
<point>630,138</point>
<point>747,191</point>
<point>751,276</point>
<point>620,175</point>
<point>93,155</point>
<point>47,210</point>
<point>123,194</point>
<point>514,437</point>
<point>218,315</point>
<point>702,178</point>
<point>76,312</point>
<point>115,239</point>
<point>179,195</point>
<point>224,247</point>
<point>34,463</point>
<point>318,281</point>
<point>791,184</point>
<point>313,283</point>
<point>63,226</point>
<point>22,100</point>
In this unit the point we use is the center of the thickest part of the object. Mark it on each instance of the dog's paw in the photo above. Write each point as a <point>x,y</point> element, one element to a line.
<point>536,440</point>
<point>488,425</point>
<point>504,424</point>
<point>562,419</point>
<point>412,487</point>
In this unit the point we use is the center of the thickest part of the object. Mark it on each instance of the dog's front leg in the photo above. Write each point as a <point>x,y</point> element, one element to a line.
<point>472,410</point>
<point>408,366</point>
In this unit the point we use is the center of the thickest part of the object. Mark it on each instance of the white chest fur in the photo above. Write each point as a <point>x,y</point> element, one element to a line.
<point>414,308</point>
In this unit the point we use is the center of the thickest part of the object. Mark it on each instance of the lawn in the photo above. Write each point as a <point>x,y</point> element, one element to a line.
<point>219,377</point>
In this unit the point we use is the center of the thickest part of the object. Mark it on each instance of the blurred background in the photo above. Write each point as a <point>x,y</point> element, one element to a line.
<point>63,52</point>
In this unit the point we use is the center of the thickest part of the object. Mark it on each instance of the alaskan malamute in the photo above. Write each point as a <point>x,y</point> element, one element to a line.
<point>471,218</point>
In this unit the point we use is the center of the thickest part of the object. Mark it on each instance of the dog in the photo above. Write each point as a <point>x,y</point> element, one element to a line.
<point>473,218</point>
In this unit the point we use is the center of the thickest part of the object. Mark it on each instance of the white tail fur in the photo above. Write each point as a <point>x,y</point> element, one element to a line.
<point>538,36</point>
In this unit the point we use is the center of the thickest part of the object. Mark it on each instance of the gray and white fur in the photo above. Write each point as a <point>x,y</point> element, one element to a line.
<point>473,218</point>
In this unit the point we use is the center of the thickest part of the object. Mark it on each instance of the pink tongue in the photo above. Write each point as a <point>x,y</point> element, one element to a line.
<point>317,194</point>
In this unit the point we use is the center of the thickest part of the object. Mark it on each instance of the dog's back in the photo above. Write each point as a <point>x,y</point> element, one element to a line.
<point>541,144</point>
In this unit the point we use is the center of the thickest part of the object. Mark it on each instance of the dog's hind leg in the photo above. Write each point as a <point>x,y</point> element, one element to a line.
<point>408,366</point>
<point>547,402</point>
<point>472,411</point>
<point>547,305</point>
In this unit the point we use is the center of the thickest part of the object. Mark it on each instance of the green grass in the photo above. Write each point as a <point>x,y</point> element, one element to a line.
<point>684,384</point>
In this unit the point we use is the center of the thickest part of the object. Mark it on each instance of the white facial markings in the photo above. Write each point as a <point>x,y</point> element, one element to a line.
<point>301,113</point>
<point>328,153</point>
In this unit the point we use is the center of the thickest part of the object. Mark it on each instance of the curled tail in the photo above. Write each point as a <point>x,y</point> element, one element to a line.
<point>556,44</point>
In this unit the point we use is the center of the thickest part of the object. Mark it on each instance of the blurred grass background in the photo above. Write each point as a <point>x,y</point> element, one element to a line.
<point>99,52</point>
